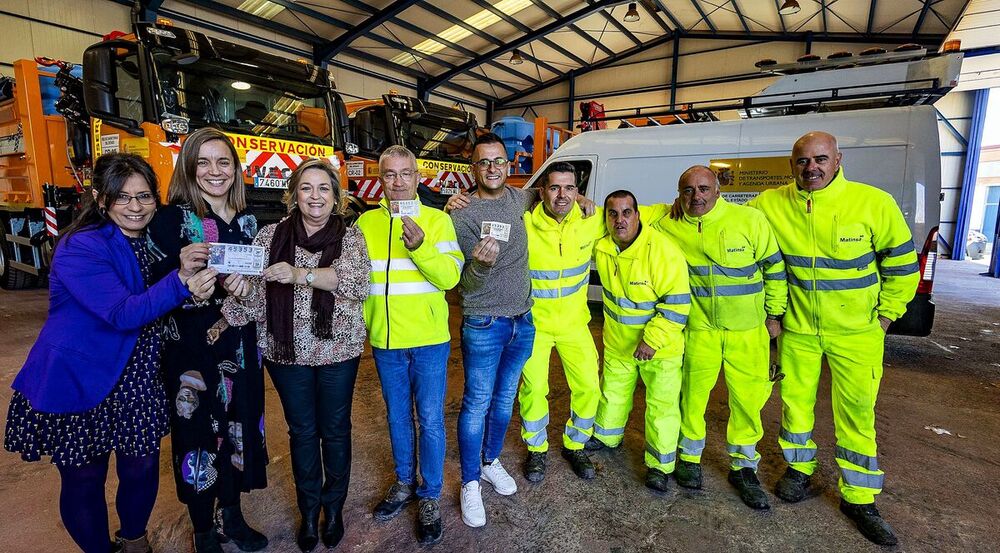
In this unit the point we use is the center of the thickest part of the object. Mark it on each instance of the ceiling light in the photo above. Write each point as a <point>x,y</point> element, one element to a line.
<point>632,15</point>
<point>261,8</point>
<point>516,59</point>
<point>790,7</point>
<point>240,85</point>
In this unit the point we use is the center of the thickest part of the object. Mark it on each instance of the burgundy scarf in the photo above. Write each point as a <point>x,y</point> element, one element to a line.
<point>280,298</point>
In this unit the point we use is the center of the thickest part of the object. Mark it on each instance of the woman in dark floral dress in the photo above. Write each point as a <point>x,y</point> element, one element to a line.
<point>216,388</point>
<point>91,383</point>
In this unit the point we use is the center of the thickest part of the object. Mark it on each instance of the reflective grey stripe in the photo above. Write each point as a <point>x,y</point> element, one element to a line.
<point>633,320</point>
<point>580,422</point>
<point>544,275</point>
<point>830,263</point>
<point>862,479</point>
<point>835,284</point>
<point>692,447</point>
<point>674,316</point>
<point>770,260</point>
<point>676,299</point>
<point>744,463</point>
<point>573,271</point>
<point>535,425</point>
<point>571,289</point>
<point>601,431</point>
<point>627,303</point>
<point>901,249</point>
<point>855,458</point>
<point>748,451</point>
<point>538,439</point>
<point>539,293</point>
<point>661,457</point>
<point>728,290</point>
<point>703,270</point>
<point>797,438</point>
<point>799,455</point>
<point>781,275</point>
<point>577,436</point>
<point>901,270</point>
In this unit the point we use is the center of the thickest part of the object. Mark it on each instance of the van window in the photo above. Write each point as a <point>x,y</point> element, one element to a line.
<point>583,169</point>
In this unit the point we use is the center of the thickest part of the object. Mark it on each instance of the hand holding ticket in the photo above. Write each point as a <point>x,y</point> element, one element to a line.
<point>236,258</point>
<point>398,208</point>
<point>499,231</point>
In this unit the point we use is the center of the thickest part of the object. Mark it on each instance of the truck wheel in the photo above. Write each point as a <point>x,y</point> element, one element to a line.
<point>11,278</point>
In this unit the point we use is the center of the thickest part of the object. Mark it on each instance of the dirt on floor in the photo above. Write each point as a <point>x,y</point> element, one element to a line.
<point>942,488</point>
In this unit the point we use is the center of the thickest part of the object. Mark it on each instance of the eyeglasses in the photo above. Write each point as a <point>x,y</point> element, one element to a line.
<point>483,164</point>
<point>390,176</point>
<point>144,198</point>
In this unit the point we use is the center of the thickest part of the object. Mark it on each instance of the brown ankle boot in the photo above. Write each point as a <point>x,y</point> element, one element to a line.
<point>138,545</point>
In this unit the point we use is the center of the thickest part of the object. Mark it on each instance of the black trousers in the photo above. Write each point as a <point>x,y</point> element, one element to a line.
<point>317,405</point>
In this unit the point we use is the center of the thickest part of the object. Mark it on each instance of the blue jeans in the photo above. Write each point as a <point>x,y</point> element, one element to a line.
<point>408,376</point>
<point>494,350</point>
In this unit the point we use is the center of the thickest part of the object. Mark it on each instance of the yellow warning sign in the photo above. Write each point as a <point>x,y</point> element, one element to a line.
<point>430,166</point>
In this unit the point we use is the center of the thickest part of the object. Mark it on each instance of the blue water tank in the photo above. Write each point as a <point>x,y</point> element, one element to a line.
<point>50,92</point>
<point>516,134</point>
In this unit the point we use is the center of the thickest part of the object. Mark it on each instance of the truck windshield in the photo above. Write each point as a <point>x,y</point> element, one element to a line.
<point>433,138</point>
<point>233,96</point>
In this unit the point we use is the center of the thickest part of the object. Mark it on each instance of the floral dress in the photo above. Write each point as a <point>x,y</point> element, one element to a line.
<point>216,389</point>
<point>130,421</point>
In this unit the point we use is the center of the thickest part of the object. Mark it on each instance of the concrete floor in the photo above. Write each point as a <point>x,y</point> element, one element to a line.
<point>941,491</point>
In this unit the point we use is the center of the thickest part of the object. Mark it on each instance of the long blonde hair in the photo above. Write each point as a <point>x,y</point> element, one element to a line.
<point>184,187</point>
<point>296,178</point>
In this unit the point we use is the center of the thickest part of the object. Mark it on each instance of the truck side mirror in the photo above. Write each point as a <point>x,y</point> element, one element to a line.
<point>100,83</point>
<point>362,127</point>
<point>344,124</point>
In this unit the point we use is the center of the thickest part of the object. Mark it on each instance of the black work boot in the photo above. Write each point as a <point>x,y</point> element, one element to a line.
<point>581,464</point>
<point>745,481</point>
<point>396,498</point>
<point>232,526</point>
<point>657,480</point>
<point>534,466</point>
<point>869,522</point>
<point>688,474</point>
<point>593,444</point>
<point>429,521</point>
<point>792,486</point>
<point>207,542</point>
<point>308,535</point>
<point>333,527</point>
<point>138,545</point>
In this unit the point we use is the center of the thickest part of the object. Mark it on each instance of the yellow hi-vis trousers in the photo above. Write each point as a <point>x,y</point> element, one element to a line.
<point>745,356</point>
<point>855,369</point>
<point>662,378</point>
<point>578,354</point>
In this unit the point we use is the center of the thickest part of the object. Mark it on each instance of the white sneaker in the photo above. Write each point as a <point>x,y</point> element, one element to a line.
<point>495,474</point>
<point>473,512</point>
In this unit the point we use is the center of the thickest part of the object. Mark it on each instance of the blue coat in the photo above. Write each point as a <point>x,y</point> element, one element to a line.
<point>98,304</point>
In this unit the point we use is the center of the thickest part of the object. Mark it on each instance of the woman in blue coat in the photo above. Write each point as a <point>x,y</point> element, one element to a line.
<point>90,385</point>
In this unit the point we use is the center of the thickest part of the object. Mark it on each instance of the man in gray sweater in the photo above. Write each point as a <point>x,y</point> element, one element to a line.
<point>497,330</point>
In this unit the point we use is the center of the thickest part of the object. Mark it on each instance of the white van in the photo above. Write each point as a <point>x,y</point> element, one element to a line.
<point>895,149</point>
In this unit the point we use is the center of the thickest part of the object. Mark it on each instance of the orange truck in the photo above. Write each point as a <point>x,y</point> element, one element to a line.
<point>143,93</point>
<point>440,137</point>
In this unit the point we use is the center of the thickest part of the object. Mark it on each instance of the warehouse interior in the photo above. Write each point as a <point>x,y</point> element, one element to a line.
<point>572,68</point>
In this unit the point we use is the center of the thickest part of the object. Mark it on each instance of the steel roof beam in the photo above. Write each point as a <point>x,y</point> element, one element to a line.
<point>663,7</point>
<point>923,15</point>
<point>618,25</point>
<point>704,16</point>
<point>527,30</point>
<point>338,44</point>
<point>577,30</point>
<point>739,14</point>
<point>371,58</point>
<point>659,20</point>
<point>520,41</point>
<point>871,16</point>
<point>822,12</point>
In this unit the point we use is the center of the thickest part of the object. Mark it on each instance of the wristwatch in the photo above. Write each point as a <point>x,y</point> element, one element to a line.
<point>310,277</point>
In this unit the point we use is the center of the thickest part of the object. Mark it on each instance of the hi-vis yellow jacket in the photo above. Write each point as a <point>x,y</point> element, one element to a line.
<point>848,253</point>
<point>646,294</point>
<point>406,307</point>
<point>559,265</point>
<point>735,268</point>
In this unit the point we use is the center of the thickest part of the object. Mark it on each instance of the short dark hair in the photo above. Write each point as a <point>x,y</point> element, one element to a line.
<point>622,194</point>
<point>558,167</point>
<point>489,138</point>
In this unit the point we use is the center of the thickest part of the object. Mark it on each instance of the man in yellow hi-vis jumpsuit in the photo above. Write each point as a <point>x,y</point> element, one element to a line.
<point>560,245</point>
<point>851,271</point>
<point>646,305</point>
<point>737,283</point>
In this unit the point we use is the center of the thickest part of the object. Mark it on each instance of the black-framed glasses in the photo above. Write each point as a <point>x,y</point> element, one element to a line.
<point>144,198</point>
<point>390,176</point>
<point>483,164</point>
